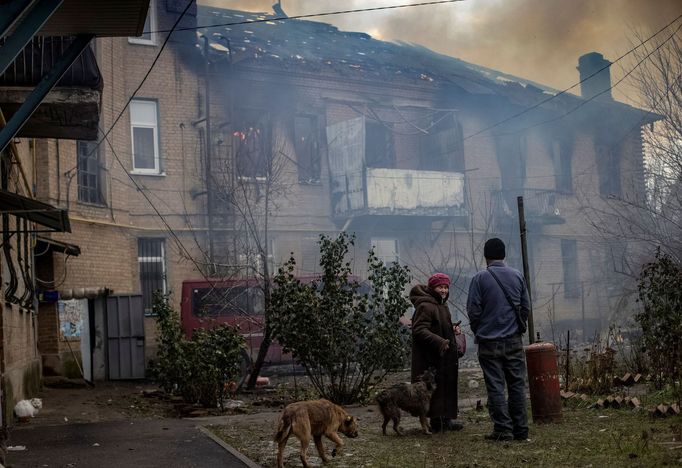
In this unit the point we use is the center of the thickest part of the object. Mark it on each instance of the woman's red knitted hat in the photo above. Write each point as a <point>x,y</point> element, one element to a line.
<point>438,279</point>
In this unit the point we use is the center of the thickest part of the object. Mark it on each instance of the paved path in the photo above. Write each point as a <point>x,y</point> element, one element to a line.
<point>136,443</point>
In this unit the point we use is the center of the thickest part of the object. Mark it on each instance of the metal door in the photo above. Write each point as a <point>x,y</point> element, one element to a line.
<point>125,337</point>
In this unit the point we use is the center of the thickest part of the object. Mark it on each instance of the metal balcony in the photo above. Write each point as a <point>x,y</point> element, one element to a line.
<point>398,192</point>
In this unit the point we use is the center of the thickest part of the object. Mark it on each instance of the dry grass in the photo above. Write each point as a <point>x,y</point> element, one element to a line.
<point>585,437</point>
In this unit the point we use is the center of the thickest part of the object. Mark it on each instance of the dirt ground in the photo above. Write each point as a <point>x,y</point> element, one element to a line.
<point>117,400</point>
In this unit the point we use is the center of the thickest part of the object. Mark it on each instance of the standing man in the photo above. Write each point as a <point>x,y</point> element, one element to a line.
<point>498,309</point>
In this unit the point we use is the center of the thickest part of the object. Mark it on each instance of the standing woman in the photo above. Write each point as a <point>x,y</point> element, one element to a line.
<point>433,346</point>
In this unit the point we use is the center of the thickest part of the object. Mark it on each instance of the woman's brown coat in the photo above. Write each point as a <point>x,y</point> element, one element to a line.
<point>431,327</point>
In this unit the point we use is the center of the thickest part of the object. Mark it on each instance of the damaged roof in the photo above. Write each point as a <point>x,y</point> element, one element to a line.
<point>323,49</point>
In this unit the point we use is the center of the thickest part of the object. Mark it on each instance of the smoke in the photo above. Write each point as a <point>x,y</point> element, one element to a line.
<point>540,40</point>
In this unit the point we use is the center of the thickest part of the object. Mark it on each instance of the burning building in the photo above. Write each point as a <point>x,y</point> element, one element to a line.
<point>256,133</point>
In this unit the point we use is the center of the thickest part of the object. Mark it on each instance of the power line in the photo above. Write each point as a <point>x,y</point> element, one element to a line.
<point>582,103</point>
<point>309,15</point>
<point>564,91</point>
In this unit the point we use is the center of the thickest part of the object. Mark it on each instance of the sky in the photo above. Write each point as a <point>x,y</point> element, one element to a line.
<point>539,40</point>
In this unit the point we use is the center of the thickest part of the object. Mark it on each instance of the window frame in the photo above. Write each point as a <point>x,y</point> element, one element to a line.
<point>151,16</point>
<point>98,189</point>
<point>148,311</point>
<point>156,170</point>
<point>571,288</point>
<point>312,165</point>
<point>396,244</point>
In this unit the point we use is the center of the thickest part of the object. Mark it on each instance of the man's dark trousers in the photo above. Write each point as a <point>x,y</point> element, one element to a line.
<point>502,361</point>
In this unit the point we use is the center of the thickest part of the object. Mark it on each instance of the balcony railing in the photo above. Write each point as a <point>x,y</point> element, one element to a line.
<point>540,205</point>
<point>381,191</point>
<point>38,57</point>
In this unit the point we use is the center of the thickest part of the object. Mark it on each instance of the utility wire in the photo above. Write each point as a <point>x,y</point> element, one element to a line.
<point>564,91</point>
<point>309,15</point>
<point>582,103</point>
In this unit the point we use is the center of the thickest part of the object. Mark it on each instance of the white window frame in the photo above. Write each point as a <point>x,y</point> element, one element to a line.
<point>151,15</point>
<point>373,244</point>
<point>141,124</point>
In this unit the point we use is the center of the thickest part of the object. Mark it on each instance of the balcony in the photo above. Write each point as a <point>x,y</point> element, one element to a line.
<point>71,109</point>
<point>398,192</point>
<point>541,206</point>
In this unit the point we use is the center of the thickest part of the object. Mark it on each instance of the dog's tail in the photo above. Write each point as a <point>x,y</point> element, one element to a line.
<point>283,428</point>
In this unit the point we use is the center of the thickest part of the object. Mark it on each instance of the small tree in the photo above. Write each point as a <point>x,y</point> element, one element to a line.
<point>661,319</point>
<point>345,339</point>
<point>198,368</point>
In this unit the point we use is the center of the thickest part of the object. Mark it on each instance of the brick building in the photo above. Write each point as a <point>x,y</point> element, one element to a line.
<point>50,87</point>
<point>315,130</point>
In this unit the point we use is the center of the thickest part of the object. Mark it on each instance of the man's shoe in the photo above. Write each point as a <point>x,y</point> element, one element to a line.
<point>499,436</point>
<point>436,424</point>
<point>520,436</point>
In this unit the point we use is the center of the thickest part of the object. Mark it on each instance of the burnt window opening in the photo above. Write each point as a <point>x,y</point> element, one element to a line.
<point>89,173</point>
<point>569,258</point>
<point>151,259</point>
<point>511,159</point>
<point>563,173</point>
<point>442,149</point>
<point>307,147</point>
<point>608,167</point>
<point>252,143</point>
<point>379,149</point>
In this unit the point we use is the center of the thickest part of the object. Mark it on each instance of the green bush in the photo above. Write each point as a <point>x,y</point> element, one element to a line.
<point>196,369</point>
<point>346,340</point>
<point>661,319</point>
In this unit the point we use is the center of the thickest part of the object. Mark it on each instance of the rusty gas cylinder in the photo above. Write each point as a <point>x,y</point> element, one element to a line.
<point>543,382</point>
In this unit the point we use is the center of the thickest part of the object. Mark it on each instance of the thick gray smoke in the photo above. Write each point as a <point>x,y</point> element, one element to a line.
<point>536,39</point>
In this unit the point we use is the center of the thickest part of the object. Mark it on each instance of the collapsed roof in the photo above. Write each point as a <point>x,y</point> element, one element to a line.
<point>271,41</point>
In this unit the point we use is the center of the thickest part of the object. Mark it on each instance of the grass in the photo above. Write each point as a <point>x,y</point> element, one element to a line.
<point>584,438</point>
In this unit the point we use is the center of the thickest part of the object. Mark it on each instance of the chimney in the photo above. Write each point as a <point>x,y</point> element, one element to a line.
<point>589,64</point>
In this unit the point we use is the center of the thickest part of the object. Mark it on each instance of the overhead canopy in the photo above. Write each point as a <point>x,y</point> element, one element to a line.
<point>44,214</point>
<point>45,243</point>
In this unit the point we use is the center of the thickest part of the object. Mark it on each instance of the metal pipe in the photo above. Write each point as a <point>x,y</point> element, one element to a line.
<point>526,272</point>
<point>207,166</point>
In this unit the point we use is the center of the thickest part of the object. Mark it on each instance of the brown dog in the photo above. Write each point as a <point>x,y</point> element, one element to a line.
<point>312,420</point>
<point>415,398</point>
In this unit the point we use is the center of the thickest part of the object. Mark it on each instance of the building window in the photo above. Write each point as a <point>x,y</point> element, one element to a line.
<point>569,258</point>
<point>151,258</point>
<point>563,174</point>
<point>608,167</point>
<point>307,147</point>
<point>148,36</point>
<point>386,250</point>
<point>442,149</point>
<point>89,173</point>
<point>379,150</point>
<point>144,131</point>
<point>252,143</point>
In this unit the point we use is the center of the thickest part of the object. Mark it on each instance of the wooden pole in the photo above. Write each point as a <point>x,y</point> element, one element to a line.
<point>526,272</point>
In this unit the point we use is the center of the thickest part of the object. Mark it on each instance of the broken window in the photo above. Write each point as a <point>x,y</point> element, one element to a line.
<point>379,145</point>
<point>252,143</point>
<point>569,258</point>
<point>306,144</point>
<point>608,167</point>
<point>89,173</point>
<point>563,174</point>
<point>442,149</point>
<point>151,258</point>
